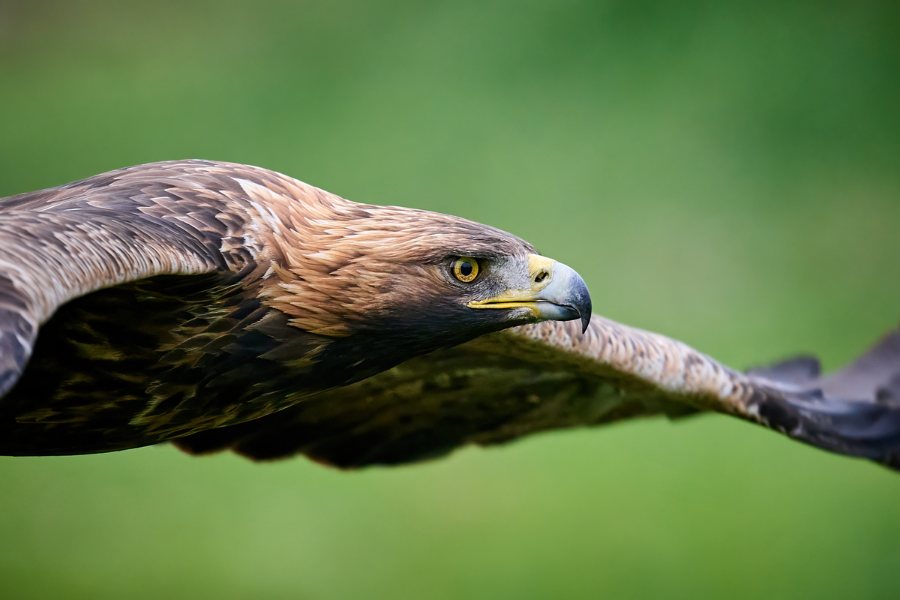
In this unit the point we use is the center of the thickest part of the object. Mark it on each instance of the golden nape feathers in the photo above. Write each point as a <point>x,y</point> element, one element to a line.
<point>223,306</point>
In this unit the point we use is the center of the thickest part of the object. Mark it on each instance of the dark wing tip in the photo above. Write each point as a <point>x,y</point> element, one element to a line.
<point>856,428</point>
<point>798,369</point>
<point>17,336</point>
<point>855,411</point>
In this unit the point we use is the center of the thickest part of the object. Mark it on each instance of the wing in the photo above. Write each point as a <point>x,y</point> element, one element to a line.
<point>143,284</point>
<point>62,243</point>
<point>547,376</point>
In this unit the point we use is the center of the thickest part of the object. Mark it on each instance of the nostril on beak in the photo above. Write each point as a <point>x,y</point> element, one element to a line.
<point>541,276</point>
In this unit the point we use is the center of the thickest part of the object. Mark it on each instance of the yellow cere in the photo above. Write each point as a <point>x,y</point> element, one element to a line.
<point>540,269</point>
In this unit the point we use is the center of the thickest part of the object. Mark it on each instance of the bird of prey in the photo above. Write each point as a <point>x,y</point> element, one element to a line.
<point>227,307</point>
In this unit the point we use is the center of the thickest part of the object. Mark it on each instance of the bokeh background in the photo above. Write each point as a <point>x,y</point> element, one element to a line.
<point>727,173</point>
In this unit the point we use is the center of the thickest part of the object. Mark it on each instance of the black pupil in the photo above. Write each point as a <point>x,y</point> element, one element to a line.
<point>465,269</point>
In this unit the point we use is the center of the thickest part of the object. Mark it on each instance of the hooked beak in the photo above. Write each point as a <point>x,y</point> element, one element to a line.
<point>557,293</point>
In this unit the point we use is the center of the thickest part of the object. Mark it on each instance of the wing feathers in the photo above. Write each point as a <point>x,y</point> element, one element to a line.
<point>800,369</point>
<point>17,335</point>
<point>872,371</point>
<point>492,390</point>
<point>47,259</point>
<point>854,411</point>
<point>547,376</point>
<point>180,218</point>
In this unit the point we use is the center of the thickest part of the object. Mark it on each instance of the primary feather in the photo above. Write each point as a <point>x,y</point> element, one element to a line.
<point>223,306</point>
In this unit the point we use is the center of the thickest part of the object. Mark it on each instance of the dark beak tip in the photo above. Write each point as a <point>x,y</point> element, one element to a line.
<point>584,307</point>
<point>585,321</point>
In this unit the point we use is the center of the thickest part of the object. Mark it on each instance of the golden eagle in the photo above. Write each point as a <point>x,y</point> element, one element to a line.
<point>222,306</point>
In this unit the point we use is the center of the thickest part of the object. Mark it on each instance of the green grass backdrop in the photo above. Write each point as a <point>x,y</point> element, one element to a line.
<point>727,173</point>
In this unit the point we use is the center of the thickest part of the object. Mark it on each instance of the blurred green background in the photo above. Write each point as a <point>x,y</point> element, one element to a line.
<point>727,173</point>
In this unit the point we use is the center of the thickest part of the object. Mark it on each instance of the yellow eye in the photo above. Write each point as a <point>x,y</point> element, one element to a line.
<point>465,269</point>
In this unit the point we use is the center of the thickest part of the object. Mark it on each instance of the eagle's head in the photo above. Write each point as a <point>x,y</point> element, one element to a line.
<point>379,285</point>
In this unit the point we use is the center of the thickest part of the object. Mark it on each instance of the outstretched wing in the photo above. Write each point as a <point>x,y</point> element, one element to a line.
<point>65,242</point>
<point>134,278</point>
<point>547,376</point>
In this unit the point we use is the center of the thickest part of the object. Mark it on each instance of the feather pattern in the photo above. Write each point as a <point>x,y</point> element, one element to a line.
<point>533,378</point>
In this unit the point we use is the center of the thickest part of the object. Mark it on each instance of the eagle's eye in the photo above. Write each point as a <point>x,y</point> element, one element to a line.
<point>465,269</point>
